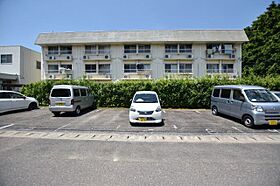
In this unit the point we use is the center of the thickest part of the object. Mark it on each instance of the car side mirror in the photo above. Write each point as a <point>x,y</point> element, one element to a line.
<point>130,100</point>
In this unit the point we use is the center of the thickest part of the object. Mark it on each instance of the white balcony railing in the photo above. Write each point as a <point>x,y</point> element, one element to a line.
<point>220,54</point>
<point>137,74</point>
<point>98,76</point>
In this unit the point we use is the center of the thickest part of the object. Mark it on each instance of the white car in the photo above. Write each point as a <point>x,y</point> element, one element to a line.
<point>145,108</point>
<point>10,101</point>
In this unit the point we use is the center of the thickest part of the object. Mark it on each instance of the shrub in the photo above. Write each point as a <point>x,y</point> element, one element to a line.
<point>176,93</point>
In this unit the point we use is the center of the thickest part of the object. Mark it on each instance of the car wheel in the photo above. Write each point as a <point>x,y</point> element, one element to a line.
<point>78,111</point>
<point>215,111</point>
<point>93,106</point>
<point>32,106</point>
<point>248,121</point>
<point>56,114</point>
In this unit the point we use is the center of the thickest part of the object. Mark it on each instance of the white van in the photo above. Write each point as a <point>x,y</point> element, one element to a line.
<point>70,98</point>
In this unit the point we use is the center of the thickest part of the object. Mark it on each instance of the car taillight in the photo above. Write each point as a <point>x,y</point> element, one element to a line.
<point>72,101</point>
<point>49,101</point>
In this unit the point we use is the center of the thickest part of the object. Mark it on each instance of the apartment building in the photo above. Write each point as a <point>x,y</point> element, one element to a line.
<point>18,66</point>
<point>152,54</point>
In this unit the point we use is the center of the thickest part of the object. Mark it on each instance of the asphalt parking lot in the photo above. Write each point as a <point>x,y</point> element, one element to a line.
<point>116,120</point>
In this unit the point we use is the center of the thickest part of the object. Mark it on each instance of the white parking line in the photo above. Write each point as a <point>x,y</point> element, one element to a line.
<point>118,127</point>
<point>210,131</point>
<point>237,129</point>
<point>6,126</point>
<point>62,127</point>
<point>197,112</point>
<point>175,127</point>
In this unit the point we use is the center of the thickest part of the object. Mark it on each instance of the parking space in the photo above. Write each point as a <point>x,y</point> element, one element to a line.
<point>116,120</point>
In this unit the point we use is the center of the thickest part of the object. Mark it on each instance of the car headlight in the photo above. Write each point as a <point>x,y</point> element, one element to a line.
<point>257,108</point>
<point>158,109</point>
<point>132,109</point>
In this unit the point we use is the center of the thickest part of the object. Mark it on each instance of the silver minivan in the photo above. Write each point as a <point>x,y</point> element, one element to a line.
<point>254,105</point>
<point>70,98</point>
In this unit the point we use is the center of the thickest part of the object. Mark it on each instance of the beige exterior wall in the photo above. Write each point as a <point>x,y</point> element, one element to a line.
<point>157,61</point>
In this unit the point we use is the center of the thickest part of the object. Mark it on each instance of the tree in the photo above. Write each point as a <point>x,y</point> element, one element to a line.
<point>261,55</point>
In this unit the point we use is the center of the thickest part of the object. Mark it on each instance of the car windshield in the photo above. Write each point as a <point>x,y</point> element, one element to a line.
<point>145,98</point>
<point>260,95</point>
<point>277,94</point>
<point>60,93</point>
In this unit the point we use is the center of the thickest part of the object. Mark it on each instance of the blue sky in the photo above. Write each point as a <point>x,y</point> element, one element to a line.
<point>22,20</point>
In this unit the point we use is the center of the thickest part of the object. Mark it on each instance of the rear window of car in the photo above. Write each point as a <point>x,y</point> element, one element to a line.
<point>61,93</point>
<point>145,98</point>
<point>216,92</point>
<point>225,93</point>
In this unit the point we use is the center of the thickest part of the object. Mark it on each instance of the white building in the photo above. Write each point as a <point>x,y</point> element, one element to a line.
<point>149,54</point>
<point>18,66</point>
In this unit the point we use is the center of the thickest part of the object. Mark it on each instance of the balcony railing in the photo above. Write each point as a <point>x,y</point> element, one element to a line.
<point>96,52</point>
<point>137,74</point>
<point>55,74</point>
<point>98,76</point>
<point>61,52</point>
<point>220,54</point>
<point>173,50</point>
<point>220,71</point>
<point>135,51</point>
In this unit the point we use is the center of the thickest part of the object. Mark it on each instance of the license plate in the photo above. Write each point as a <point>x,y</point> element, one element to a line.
<point>272,122</point>
<point>142,119</point>
<point>59,104</point>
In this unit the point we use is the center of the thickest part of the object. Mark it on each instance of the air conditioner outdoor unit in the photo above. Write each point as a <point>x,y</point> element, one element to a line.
<point>125,76</point>
<point>51,76</point>
<point>148,56</point>
<point>209,56</point>
<point>68,57</point>
<point>106,56</point>
<point>107,76</point>
<point>167,56</point>
<point>52,57</point>
<point>232,56</point>
<point>189,56</point>
<point>84,57</point>
<point>125,56</point>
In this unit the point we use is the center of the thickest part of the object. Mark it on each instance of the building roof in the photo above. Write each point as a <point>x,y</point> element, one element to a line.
<point>151,36</point>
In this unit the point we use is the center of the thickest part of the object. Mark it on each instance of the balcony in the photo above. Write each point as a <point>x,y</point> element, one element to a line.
<point>132,74</point>
<point>56,75</point>
<point>96,55</point>
<point>133,54</point>
<point>178,75</point>
<point>98,76</point>
<point>175,54</point>
<point>64,55</point>
<point>231,73</point>
<point>212,54</point>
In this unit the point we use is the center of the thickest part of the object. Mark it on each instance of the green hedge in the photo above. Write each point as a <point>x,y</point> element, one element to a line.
<point>177,93</point>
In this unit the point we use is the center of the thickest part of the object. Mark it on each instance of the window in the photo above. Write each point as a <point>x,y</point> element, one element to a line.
<point>83,92</point>
<point>144,48</point>
<point>128,68</point>
<point>66,66</point>
<point>216,92</point>
<point>76,92</point>
<point>65,49</point>
<point>6,59</point>
<point>171,48</point>
<point>53,50</point>
<point>225,93</point>
<point>237,95</point>
<point>52,68</point>
<point>136,67</point>
<point>90,68</point>
<point>60,93</point>
<point>171,68</point>
<point>90,49</point>
<point>220,48</point>
<point>227,68</point>
<point>129,48</point>
<point>16,96</point>
<point>212,68</point>
<point>38,64</point>
<point>4,95</point>
<point>103,49</point>
<point>104,68</point>
<point>185,68</point>
<point>185,48</point>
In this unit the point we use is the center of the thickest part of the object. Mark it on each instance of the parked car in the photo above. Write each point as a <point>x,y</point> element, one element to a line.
<point>254,105</point>
<point>11,100</point>
<point>145,108</point>
<point>277,94</point>
<point>70,98</point>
